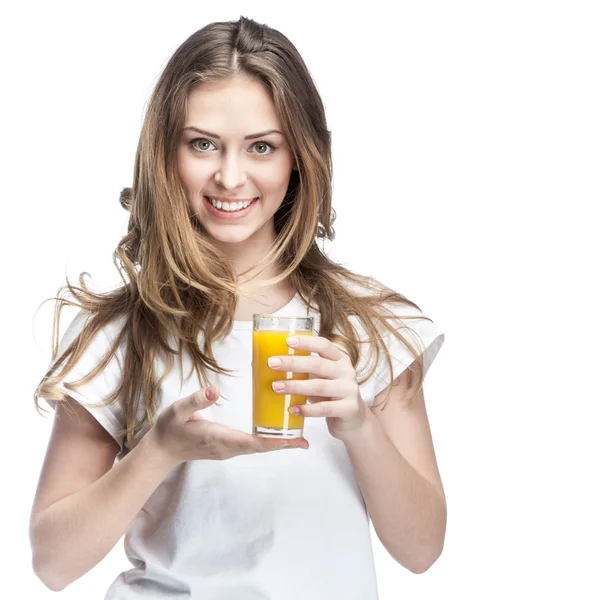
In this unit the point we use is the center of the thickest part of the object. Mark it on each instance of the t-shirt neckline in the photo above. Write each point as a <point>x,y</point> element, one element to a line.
<point>248,324</point>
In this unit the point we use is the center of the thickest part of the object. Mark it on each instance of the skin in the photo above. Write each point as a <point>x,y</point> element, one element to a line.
<point>84,502</point>
<point>234,167</point>
<point>404,494</point>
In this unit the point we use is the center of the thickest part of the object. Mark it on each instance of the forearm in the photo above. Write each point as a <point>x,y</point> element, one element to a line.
<point>75,533</point>
<point>407,512</point>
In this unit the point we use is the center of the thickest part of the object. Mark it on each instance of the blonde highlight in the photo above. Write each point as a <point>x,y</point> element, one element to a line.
<point>176,282</point>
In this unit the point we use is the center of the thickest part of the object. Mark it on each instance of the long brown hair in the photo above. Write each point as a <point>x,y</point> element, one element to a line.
<point>175,280</point>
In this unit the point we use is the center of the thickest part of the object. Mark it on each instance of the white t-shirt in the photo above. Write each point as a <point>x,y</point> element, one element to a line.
<point>282,525</point>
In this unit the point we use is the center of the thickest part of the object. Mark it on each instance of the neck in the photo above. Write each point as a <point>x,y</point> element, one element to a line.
<point>243,255</point>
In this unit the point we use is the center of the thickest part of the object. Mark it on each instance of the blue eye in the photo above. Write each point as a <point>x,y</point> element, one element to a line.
<point>192,143</point>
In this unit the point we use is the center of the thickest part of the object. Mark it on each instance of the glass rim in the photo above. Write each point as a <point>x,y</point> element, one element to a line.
<point>276,316</point>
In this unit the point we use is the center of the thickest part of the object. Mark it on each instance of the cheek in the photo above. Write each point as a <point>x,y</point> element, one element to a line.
<point>181,169</point>
<point>189,172</point>
<point>276,180</point>
<point>185,173</point>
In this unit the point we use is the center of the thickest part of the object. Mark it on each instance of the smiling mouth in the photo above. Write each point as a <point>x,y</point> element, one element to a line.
<point>237,213</point>
<point>230,207</point>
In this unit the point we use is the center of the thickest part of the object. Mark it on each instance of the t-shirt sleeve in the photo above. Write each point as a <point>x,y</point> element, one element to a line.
<point>430,337</point>
<point>95,391</point>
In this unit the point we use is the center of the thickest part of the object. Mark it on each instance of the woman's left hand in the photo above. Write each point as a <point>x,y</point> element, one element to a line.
<point>332,387</point>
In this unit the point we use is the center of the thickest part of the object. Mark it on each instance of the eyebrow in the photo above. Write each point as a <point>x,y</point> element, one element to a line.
<point>248,137</point>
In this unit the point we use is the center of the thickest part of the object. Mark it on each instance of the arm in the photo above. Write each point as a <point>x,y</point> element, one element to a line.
<point>404,494</point>
<point>82,505</point>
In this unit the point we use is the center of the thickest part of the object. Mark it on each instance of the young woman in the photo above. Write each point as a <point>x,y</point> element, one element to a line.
<point>231,193</point>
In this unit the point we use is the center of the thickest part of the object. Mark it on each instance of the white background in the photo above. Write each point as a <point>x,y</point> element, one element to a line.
<point>466,152</point>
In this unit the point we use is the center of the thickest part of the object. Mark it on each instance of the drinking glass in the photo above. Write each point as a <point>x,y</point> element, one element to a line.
<point>270,410</point>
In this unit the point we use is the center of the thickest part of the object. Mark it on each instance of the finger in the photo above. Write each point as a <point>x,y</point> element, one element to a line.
<point>315,365</point>
<point>326,408</point>
<point>192,404</point>
<point>269,444</point>
<point>246,443</point>
<point>256,443</point>
<point>327,388</point>
<point>316,343</point>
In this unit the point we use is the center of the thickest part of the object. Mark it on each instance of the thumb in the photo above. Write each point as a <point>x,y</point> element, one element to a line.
<point>203,398</point>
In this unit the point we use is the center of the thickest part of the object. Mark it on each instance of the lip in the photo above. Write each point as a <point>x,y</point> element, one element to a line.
<point>224,199</point>
<point>229,216</point>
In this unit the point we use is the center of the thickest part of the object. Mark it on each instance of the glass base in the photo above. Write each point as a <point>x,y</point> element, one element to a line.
<point>276,432</point>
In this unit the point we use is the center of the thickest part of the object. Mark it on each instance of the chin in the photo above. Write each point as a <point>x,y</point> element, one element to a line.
<point>232,236</point>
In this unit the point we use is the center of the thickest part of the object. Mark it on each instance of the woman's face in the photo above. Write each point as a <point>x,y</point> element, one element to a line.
<point>223,159</point>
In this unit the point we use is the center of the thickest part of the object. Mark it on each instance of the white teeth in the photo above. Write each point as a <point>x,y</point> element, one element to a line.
<point>229,206</point>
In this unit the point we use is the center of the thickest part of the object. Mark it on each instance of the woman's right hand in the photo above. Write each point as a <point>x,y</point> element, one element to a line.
<point>181,433</point>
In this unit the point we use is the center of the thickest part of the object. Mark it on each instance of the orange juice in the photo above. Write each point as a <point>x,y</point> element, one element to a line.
<point>271,416</point>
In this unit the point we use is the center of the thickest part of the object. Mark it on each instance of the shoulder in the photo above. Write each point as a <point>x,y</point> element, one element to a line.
<point>388,304</point>
<point>95,343</point>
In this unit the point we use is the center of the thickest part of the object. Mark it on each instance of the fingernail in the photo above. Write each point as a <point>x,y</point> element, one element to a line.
<point>292,341</point>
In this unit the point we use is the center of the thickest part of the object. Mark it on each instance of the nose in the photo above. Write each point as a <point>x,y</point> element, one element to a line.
<point>230,174</point>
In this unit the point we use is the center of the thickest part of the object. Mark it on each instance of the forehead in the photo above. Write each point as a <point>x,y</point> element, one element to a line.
<point>232,106</point>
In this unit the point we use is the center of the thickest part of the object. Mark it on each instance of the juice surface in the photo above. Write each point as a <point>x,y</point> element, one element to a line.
<point>270,409</point>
